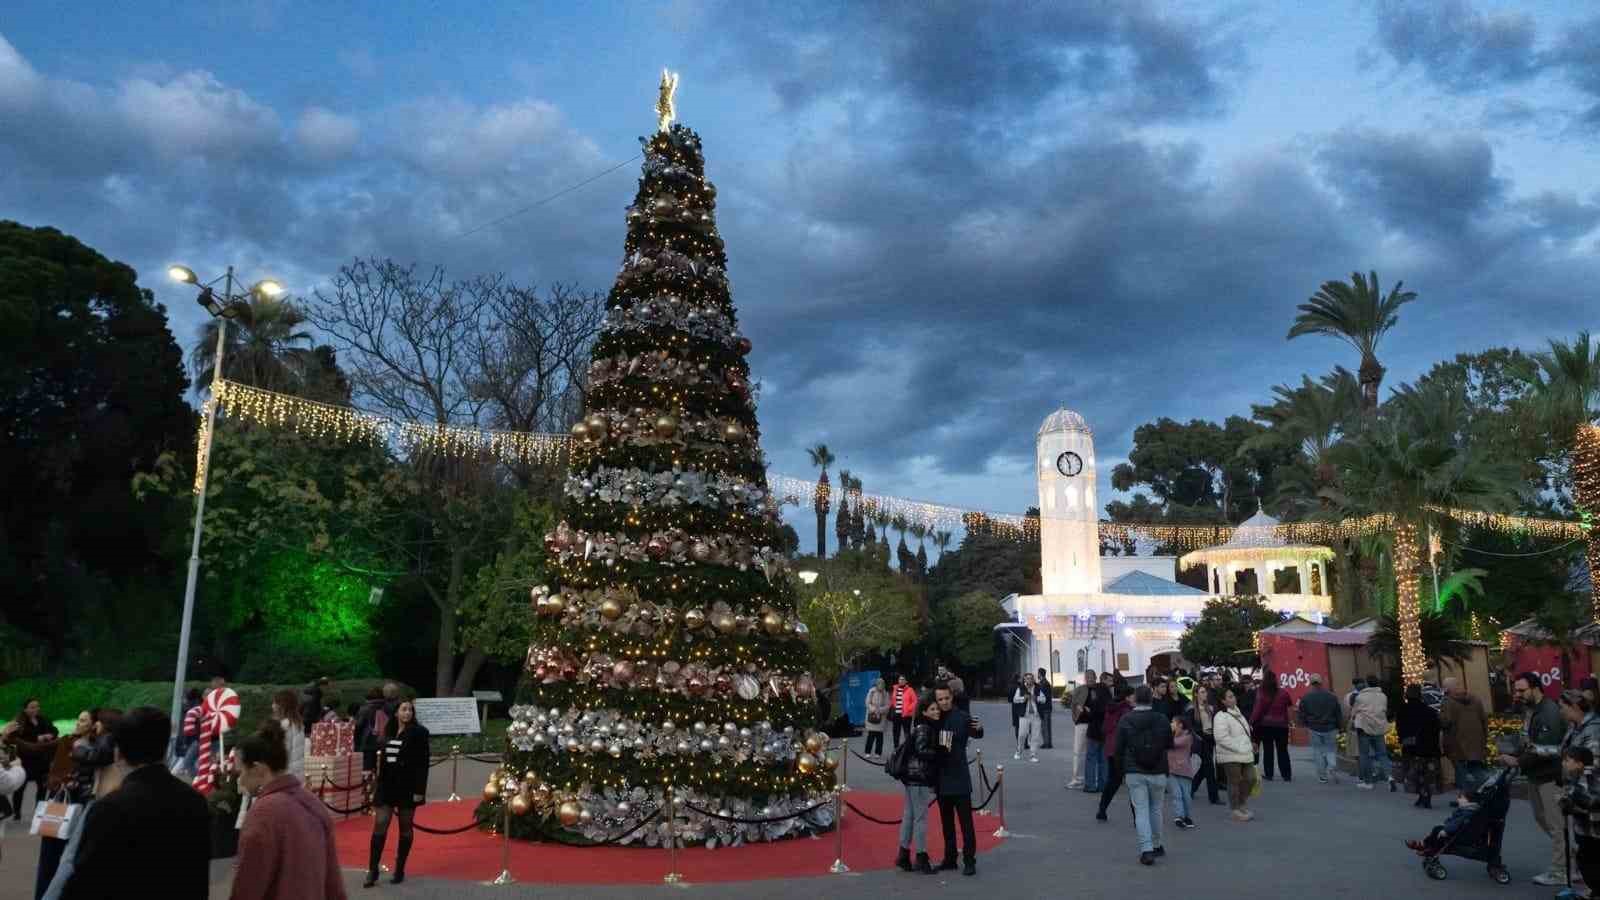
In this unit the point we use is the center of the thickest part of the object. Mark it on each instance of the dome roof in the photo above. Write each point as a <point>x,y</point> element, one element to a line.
<point>1064,419</point>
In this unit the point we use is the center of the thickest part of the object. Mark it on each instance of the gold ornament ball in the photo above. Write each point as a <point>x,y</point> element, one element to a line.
<point>597,425</point>
<point>568,813</point>
<point>530,782</point>
<point>580,433</point>
<point>831,760</point>
<point>772,623</point>
<point>556,605</point>
<point>724,623</point>
<point>806,763</point>
<point>491,791</point>
<point>733,431</point>
<point>700,551</point>
<point>666,426</point>
<point>520,804</point>
<point>813,744</point>
<point>694,619</point>
<point>610,609</point>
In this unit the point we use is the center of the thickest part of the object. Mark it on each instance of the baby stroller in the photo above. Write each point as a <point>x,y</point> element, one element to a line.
<point>1475,831</point>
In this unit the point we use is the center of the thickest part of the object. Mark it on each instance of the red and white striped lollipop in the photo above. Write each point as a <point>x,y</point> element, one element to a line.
<point>219,712</point>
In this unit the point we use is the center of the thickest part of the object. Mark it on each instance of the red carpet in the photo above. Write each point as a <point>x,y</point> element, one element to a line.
<point>475,856</point>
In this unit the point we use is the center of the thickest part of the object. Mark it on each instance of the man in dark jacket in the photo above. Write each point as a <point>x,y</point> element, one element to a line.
<point>1321,714</point>
<point>151,835</point>
<point>1540,760</point>
<point>1142,739</point>
<point>1046,707</point>
<point>1094,714</point>
<point>955,781</point>
<point>311,705</point>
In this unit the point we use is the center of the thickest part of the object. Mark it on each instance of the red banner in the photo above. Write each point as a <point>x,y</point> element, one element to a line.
<point>1544,660</point>
<point>1293,662</point>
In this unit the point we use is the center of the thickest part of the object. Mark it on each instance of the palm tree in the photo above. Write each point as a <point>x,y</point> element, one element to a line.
<point>1357,312</point>
<point>1312,418</point>
<point>822,458</point>
<point>1441,640</point>
<point>858,521</point>
<point>882,519</point>
<point>266,347</point>
<point>941,539</point>
<point>1412,463</point>
<point>1566,391</point>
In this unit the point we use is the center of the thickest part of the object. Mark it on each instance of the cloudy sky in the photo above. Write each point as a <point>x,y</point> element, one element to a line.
<point>943,220</point>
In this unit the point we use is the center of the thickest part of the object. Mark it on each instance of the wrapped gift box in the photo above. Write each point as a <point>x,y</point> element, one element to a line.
<point>342,788</point>
<point>332,738</point>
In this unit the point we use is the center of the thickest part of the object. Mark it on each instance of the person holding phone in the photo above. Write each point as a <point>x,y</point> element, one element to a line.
<point>955,781</point>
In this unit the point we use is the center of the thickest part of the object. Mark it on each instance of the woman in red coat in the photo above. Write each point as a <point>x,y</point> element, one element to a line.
<point>286,850</point>
<point>1269,721</point>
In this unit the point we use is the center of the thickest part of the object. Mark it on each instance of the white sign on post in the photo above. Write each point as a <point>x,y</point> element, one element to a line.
<point>448,715</point>
<point>486,696</point>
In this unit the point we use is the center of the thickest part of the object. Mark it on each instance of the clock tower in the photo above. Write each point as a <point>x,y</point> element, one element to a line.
<point>1069,533</point>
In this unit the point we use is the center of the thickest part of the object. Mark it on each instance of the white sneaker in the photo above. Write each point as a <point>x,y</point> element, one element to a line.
<point>1075,784</point>
<point>1033,759</point>
<point>1549,879</point>
<point>1016,756</point>
<point>1363,786</point>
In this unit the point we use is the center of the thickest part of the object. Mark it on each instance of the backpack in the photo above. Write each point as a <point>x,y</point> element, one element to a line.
<point>897,763</point>
<point>1148,748</point>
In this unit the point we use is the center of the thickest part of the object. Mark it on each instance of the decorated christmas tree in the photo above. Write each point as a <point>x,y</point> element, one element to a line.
<point>668,654</point>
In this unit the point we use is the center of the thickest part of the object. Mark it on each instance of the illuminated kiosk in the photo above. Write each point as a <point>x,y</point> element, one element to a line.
<point>1126,612</point>
<point>1257,561</point>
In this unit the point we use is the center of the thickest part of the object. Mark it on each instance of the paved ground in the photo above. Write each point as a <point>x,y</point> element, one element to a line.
<point>1308,840</point>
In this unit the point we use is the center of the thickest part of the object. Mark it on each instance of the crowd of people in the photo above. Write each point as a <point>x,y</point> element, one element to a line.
<point>121,801</point>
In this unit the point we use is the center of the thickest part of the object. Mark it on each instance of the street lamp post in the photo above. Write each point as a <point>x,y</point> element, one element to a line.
<point>222,310</point>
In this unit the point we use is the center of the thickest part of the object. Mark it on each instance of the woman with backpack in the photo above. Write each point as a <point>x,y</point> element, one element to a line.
<point>917,765</point>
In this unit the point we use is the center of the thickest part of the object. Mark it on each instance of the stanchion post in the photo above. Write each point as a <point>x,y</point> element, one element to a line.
<point>838,867</point>
<point>673,877</point>
<point>1000,785</point>
<point>844,766</point>
<point>979,762</point>
<point>455,765</point>
<point>505,841</point>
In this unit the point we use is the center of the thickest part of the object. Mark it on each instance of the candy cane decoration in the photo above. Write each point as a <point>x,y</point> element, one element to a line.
<point>219,711</point>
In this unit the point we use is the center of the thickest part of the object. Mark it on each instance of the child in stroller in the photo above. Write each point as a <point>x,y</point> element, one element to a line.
<point>1474,831</point>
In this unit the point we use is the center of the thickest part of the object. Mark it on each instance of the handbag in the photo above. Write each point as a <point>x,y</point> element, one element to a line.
<point>874,717</point>
<point>55,819</point>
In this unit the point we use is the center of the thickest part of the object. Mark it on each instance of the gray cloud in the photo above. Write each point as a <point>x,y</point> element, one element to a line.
<point>1456,46</point>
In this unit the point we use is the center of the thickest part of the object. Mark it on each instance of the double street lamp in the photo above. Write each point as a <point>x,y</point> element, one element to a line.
<point>223,308</point>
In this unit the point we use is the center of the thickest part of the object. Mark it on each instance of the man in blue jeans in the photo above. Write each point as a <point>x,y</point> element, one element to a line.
<point>1143,737</point>
<point>1370,714</point>
<point>1321,715</point>
<point>1096,769</point>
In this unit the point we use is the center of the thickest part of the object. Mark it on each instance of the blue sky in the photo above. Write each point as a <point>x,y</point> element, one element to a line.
<point>943,220</point>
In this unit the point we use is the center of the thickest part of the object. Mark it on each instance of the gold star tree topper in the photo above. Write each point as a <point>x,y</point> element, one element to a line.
<point>665,110</point>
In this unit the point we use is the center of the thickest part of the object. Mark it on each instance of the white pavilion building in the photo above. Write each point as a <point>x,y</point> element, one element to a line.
<point>1128,612</point>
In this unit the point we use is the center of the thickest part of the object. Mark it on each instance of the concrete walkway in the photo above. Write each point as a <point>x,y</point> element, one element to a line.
<point>1309,840</point>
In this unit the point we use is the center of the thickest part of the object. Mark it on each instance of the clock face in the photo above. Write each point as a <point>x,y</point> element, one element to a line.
<point>1069,464</point>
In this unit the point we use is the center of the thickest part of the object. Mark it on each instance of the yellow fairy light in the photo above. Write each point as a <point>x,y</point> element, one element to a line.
<point>1586,491</point>
<point>203,443</point>
<point>1408,614</point>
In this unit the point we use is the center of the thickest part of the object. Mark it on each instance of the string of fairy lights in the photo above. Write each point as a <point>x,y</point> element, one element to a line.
<point>312,419</point>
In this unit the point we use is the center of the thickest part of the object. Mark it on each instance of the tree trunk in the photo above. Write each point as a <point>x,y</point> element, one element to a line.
<point>1371,376</point>
<point>469,672</point>
<point>1408,615</point>
<point>445,659</point>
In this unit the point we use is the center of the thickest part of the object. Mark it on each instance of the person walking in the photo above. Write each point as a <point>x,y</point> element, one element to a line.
<point>61,783</point>
<point>12,777</point>
<point>153,829</point>
<point>1017,704</point>
<point>1094,711</point>
<point>286,850</point>
<point>1143,737</point>
<point>1236,754</point>
<point>1047,709</point>
<point>1464,726</point>
<point>1119,707</point>
<point>1322,717</point>
<point>33,738</point>
<point>920,780</point>
<point>286,709</point>
<point>402,786</point>
<point>1542,731</point>
<point>1026,698</point>
<point>371,722</point>
<point>955,782</point>
<point>1180,771</point>
<point>1080,729</point>
<point>1269,719</point>
<point>94,775</point>
<point>902,708</point>
<point>1202,715</point>
<point>1418,728</point>
<point>877,710</point>
<point>1370,715</point>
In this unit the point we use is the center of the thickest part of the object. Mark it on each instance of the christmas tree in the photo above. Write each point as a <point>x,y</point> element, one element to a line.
<point>668,655</point>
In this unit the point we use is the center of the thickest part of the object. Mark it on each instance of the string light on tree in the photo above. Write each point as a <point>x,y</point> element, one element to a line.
<point>1407,565</point>
<point>1586,490</point>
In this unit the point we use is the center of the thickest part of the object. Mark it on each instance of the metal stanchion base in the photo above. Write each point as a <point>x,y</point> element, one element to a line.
<point>675,879</point>
<point>454,798</point>
<point>503,878</point>
<point>845,788</point>
<point>1001,832</point>
<point>839,868</point>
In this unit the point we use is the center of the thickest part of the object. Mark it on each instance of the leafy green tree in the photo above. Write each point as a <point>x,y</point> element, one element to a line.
<point>91,391</point>
<point>1442,640</point>
<point>1359,313</point>
<point>1202,472</point>
<point>1225,633</point>
<point>494,611</point>
<point>855,608</point>
<point>964,628</point>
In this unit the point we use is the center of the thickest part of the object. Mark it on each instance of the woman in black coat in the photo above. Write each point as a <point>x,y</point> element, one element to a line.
<point>401,787</point>
<point>1418,726</point>
<point>34,738</point>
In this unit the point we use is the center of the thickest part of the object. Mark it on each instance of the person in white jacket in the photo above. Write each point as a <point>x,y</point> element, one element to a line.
<point>12,778</point>
<point>1235,754</point>
<point>1028,725</point>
